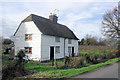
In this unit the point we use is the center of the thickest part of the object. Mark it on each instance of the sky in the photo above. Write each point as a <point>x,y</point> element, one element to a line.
<point>82,17</point>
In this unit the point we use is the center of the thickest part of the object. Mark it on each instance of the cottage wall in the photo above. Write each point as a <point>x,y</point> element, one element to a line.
<point>48,41</point>
<point>35,43</point>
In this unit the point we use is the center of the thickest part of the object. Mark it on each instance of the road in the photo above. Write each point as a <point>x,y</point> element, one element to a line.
<point>110,71</point>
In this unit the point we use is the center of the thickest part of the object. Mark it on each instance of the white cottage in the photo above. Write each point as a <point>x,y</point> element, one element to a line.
<point>45,39</point>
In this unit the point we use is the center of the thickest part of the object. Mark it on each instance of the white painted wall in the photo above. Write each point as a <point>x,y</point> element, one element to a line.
<point>35,43</point>
<point>48,41</point>
<point>74,43</point>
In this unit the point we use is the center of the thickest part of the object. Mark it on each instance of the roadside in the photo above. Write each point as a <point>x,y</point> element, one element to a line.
<point>66,73</point>
<point>110,71</point>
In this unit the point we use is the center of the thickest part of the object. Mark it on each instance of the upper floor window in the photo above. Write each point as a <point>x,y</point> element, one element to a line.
<point>57,39</point>
<point>57,49</point>
<point>69,49</point>
<point>28,36</point>
<point>69,41</point>
<point>28,49</point>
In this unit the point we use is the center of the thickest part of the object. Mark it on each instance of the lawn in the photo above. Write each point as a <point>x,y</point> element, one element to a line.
<point>44,70</point>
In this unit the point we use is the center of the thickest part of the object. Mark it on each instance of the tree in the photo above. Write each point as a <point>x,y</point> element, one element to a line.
<point>82,41</point>
<point>7,41</point>
<point>90,40</point>
<point>110,24</point>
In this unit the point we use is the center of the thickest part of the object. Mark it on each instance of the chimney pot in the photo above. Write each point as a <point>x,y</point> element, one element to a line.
<point>53,18</point>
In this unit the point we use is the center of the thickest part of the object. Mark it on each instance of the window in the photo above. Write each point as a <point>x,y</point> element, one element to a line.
<point>69,49</point>
<point>28,49</point>
<point>28,36</point>
<point>57,49</point>
<point>57,39</point>
<point>69,41</point>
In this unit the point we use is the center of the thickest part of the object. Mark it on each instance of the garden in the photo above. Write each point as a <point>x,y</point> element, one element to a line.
<point>89,58</point>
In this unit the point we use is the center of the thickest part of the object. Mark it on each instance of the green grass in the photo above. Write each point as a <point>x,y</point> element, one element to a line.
<point>46,71</point>
<point>95,49</point>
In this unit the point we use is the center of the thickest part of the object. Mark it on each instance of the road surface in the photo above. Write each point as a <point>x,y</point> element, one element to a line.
<point>110,71</point>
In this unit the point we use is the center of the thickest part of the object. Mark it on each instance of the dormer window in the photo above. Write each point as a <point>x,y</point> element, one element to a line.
<point>28,36</point>
<point>69,41</point>
<point>57,39</point>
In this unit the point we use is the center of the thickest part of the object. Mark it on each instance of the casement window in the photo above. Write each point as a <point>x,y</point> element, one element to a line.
<point>28,50</point>
<point>69,41</point>
<point>28,36</point>
<point>69,49</point>
<point>57,49</point>
<point>57,39</point>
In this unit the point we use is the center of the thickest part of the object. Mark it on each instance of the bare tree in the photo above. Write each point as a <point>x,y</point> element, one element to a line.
<point>111,24</point>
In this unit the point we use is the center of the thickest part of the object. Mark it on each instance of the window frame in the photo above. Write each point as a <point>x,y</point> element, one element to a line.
<point>29,50</point>
<point>57,49</point>
<point>28,36</point>
<point>57,39</point>
<point>69,49</point>
<point>69,41</point>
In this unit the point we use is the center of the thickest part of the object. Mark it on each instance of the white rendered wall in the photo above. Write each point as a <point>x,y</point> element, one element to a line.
<point>48,41</point>
<point>35,43</point>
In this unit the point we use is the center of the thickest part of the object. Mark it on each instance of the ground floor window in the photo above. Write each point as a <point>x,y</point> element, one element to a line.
<point>57,49</point>
<point>28,50</point>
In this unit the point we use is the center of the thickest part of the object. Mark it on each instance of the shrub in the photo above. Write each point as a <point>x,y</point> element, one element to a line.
<point>55,64</point>
<point>67,60</point>
<point>15,68</point>
<point>101,57</point>
<point>93,58</point>
<point>76,61</point>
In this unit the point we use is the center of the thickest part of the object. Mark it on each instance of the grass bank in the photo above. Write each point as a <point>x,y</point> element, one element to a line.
<point>43,71</point>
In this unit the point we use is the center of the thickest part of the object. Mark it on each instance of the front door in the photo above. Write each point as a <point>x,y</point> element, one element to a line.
<point>51,53</point>
<point>72,51</point>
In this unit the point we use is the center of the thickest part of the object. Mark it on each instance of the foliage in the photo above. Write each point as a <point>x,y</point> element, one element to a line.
<point>67,60</point>
<point>63,73</point>
<point>15,68</point>
<point>7,41</point>
<point>92,40</point>
<point>95,50</point>
<point>111,24</point>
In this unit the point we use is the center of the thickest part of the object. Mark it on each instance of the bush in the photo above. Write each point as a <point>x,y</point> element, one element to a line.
<point>15,68</point>
<point>8,73</point>
<point>55,64</point>
<point>76,61</point>
<point>67,60</point>
<point>93,58</point>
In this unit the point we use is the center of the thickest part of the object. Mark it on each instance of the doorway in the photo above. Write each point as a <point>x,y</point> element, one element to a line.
<point>72,51</point>
<point>51,53</point>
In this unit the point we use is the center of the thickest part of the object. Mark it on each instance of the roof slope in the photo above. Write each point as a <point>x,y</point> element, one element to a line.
<point>47,27</point>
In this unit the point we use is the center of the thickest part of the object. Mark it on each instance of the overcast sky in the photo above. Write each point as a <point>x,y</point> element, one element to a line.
<point>82,17</point>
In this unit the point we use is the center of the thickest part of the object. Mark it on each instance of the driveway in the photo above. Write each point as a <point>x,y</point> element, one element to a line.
<point>110,71</point>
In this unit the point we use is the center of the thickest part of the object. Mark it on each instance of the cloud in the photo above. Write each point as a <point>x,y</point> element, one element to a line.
<point>60,0</point>
<point>81,17</point>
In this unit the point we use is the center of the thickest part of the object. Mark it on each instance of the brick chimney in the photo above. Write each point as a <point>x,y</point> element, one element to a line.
<point>53,18</point>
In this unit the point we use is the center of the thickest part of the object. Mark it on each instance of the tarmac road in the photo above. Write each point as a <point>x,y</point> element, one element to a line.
<point>110,71</point>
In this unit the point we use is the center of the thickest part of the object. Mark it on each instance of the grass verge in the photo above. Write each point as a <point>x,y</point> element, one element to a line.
<point>65,73</point>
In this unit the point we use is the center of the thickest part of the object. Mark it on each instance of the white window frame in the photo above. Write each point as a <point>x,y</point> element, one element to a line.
<point>57,49</point>
<point>57,39</point>
<point>69,41</point>
<point>69,49</point>
<point>28,36</point>
<point>28,50</point>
